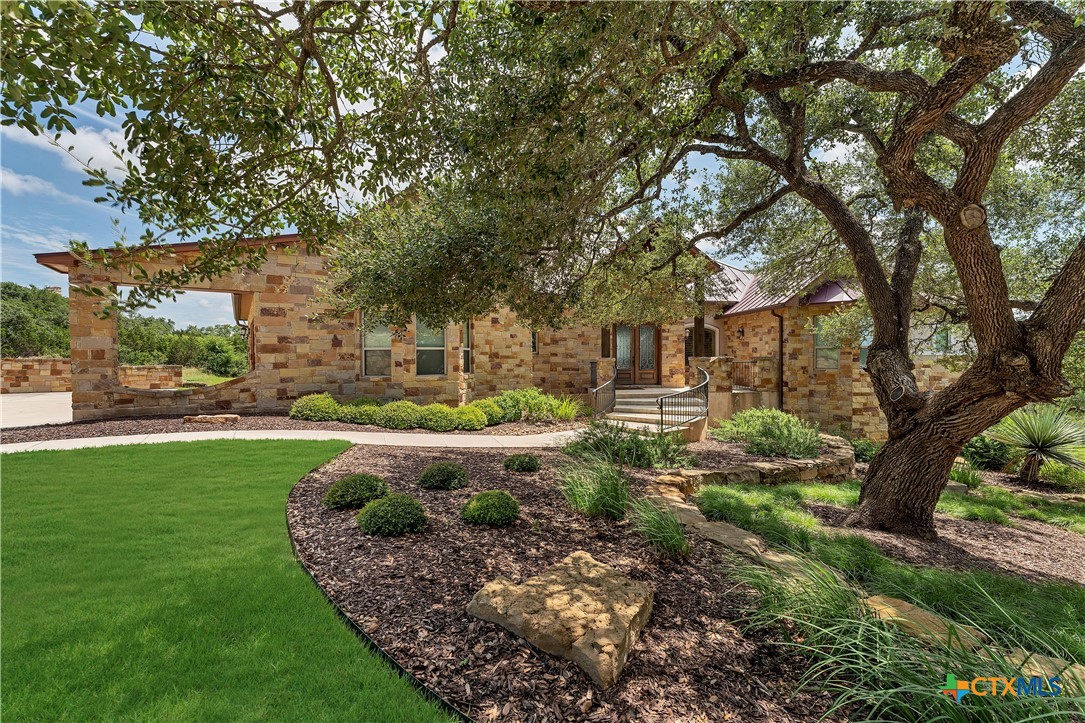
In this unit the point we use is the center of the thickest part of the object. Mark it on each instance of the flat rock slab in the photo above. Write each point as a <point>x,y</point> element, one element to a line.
<point>579,609</point>
<point>920,623</point>
<point>212,419</point>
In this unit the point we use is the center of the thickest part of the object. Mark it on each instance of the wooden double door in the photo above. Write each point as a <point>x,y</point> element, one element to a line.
<point>636,354</point>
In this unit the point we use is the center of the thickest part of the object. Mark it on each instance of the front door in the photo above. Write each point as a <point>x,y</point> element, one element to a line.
<point>636,351</point>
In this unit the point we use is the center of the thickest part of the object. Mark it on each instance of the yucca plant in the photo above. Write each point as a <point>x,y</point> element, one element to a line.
<point>1042,433</point>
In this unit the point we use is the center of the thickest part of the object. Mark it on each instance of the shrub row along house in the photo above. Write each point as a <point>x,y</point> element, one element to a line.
<point>293,351</point>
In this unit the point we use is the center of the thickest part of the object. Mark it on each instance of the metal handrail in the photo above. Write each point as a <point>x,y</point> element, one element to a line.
<point>604,396</point>
<point>683,407</point>
<point>744,375</point>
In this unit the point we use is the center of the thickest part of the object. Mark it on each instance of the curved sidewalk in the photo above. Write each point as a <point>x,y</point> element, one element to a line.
<point>392,439</point>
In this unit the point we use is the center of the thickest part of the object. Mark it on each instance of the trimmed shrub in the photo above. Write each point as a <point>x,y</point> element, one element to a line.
<point>469,418</point>
<point>366,402</point>
<point>596,489</point>
<point>437,417</point>
<point>315,408</point>
<point>661,527</point>
<point>986,453</point>
<point>495,507</point>
<point>865,449</point>
<point>489,407</point>
<point>355,414</point>
<point>400,414</point>
<point>522,463</point>
<point>392,515</point>
<point>355,490</point>
<point>771,433</point>
<point>443,476</point>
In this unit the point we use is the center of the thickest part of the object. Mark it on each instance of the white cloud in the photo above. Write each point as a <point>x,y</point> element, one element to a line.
<point>86,147</point>
<point>18,184</point>
<point>46,238</point>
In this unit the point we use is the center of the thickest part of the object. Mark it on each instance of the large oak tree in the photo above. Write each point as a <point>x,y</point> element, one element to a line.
<point>539,150</point>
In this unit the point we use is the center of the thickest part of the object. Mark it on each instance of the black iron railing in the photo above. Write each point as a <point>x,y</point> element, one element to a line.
<point>685,406</point>
<point>744,375</point>
<point>603,396</point>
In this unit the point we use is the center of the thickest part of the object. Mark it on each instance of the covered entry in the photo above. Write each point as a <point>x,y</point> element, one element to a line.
<point>636,353</point>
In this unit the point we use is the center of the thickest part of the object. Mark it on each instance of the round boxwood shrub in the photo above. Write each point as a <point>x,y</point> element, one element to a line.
<point>437,417</point>
<point>392,515</point>
<point>443,476</point>
<point>495,507</point>
<point>355,490</point>
<point>315,408</point>
<point>489,407</point>
<point>469,418</point>
<point>522,463</point>
<point>400,415</point>
<point>360,414</point>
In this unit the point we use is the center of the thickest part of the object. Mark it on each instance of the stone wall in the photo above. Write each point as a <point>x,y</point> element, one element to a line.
<point>501,354</point>
<point>160,376</point>
<point>562,362</point>
<point>27,375</point>
<point>749,336</point>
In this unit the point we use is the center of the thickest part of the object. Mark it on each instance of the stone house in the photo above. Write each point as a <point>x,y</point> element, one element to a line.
<point>296,349</point>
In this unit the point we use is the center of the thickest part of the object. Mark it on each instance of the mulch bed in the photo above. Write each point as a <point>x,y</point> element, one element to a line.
<point>1033,550</point>
<point>712,454</point>
<point>174,423</point>
<point>410,594</point>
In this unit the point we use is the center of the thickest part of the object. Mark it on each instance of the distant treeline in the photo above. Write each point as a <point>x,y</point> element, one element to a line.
<point>34,322</point>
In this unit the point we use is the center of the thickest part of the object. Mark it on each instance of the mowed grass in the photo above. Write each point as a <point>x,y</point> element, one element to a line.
<point>157,583</point>
<point>194,374</point>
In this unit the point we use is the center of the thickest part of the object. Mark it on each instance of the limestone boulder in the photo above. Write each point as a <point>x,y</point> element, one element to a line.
<point>579,609</point>
<point>920,623</point>
<point>212,419</point>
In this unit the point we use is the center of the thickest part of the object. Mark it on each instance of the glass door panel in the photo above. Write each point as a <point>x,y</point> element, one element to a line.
<point>623,338</point>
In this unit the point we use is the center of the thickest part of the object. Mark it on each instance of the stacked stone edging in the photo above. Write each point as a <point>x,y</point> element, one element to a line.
<point>152,376</point>
<point>35,374</point>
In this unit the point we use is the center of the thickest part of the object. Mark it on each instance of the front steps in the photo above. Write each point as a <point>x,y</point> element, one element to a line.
<point>639,408</point>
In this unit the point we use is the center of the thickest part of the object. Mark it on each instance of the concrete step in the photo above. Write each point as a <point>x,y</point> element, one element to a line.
<point>637,403</point>
<point>646,393</point>
<point>645,427</point>
<point>646,418</point>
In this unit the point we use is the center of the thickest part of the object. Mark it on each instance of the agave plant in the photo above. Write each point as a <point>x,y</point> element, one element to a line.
<point>1042,434</point>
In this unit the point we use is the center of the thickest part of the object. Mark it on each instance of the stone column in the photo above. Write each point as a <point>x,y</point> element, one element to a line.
<point>94,347</point>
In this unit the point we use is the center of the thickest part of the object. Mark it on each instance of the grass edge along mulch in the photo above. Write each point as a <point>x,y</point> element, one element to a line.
<point>158,582</point>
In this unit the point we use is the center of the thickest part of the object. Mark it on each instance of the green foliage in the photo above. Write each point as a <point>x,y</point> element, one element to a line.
<point>1063,477</point>
<point>509,403</point>
<point>490,408</point>
<point>33,322</point>
<point>522,463</point>
<point>316,408</point>
<point>595,489</point>
<point>400,414</point>
<point>469,418</point>
<point>771,433</point>
<point>661,527</point>
<point>620,445</point>
<point>494,507</point>
<point>443,476</point>
<point>361,414</point>
<point>865,449</point>
<point>219,350</point>
<point>366,402</point>
<point>355,490</point>
<point>966,474</point>
<point>568,408</point>
<point>221,358</point>
<point>437,417</point>
<point>392,515</point>
<point>1043,433</point>
<point>983,452</point>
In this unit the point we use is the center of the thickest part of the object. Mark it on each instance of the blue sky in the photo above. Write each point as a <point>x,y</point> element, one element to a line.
<point>43,205</point>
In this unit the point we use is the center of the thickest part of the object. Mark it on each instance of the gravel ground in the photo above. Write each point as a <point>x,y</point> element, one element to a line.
<point>692,663</point>
<point>162,425</point>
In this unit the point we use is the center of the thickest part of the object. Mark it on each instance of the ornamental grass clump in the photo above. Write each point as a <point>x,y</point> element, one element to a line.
<point>595,489</point>
<point>966,474</point>
<point>315,408</point>
<point>392,515</point>
<point>522,463</point>
<point>354,491</point>
<point>494,507</point>
<point>1041,434</point>
<point>661,528</point>
<point>623,446</point>
<point>443,476</point>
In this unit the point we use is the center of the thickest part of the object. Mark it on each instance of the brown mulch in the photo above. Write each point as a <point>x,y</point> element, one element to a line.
<point>174,423</point>
<point>410,594</point>
<point>712,454</point>
<point>1033,550</point>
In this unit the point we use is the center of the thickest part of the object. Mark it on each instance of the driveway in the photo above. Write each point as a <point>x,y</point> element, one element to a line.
<point>25,410</point>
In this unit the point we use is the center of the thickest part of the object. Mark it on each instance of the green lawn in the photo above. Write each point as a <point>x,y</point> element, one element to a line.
<point>157,582</point>
<point>192,374</point>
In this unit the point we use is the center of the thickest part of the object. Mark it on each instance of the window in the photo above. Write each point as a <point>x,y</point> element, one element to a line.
<point>709,343</point>
<point>826,352</point>
<point>429,346</point>
<point>467,348</point>
<point>377,352</point>
<point>534,342</point>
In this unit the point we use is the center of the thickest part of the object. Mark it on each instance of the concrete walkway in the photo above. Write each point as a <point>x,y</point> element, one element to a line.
<point>30,410</point>
<point>397,439</point>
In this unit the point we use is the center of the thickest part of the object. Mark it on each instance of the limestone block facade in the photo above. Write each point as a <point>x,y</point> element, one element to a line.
<point>28,375</point>
<point>155,376</point>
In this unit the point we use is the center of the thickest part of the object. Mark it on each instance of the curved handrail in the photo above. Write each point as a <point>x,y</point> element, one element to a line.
<point>685,406</point>
<point>606,393</point>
